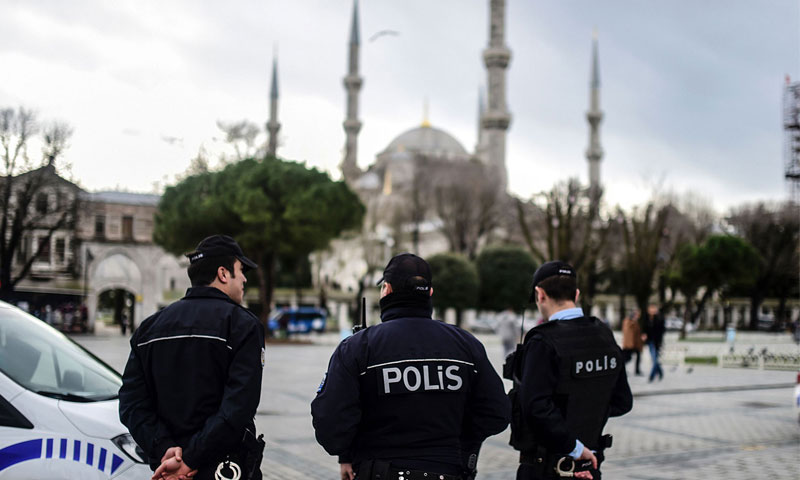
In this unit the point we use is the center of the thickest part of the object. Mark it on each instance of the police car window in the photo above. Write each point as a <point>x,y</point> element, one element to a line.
<point>45,361</point>
<point>11,417</point>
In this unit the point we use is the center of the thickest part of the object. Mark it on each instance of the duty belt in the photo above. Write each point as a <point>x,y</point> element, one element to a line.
<point>554,466</point>
<point>561,466</point>
<point>382,470</point>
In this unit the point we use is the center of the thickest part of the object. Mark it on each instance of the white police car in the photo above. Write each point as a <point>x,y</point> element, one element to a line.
<point>58,408</point>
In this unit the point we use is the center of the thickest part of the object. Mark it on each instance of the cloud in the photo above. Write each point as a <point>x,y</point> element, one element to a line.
<point>690,91</point>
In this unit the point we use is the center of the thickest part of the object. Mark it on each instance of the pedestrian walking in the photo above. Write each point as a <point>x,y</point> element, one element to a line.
<point>568,379</point>
<point>508,330</point>
<point>410,398</point>
<point>632,342</point>
<point>193,379</point>
<point>654,334</point>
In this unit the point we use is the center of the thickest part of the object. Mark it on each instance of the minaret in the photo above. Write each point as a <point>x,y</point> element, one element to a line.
<point>480,143</point>
<point>595,152</point>
<point>273,126</point>
<point>426,122</point>
<point>496,118</point>
<point>352,83</point>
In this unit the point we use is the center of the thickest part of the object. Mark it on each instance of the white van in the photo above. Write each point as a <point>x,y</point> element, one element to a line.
<point>58,408</point>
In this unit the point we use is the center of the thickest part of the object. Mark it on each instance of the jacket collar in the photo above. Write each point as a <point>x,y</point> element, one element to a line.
<point>206,292</point>
<point>400,305</point>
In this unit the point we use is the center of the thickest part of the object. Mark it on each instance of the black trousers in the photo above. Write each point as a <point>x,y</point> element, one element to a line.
<point>627,354</point>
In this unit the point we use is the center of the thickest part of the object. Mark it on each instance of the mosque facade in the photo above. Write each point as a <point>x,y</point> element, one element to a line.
<point>419,186</point>
<point>411,176</point>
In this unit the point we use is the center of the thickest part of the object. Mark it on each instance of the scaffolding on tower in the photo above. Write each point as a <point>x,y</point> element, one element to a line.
<point>791,147</point>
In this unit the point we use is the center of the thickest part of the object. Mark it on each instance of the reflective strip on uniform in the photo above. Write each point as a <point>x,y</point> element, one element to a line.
<point>209,337</point>
<point>419,360</point>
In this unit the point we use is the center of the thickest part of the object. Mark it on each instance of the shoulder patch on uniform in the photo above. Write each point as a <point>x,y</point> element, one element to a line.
<point>322,383</point>
<point>263,356</point>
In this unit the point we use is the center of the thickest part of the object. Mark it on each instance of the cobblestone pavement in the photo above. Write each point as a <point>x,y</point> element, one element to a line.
<point>733,434</point>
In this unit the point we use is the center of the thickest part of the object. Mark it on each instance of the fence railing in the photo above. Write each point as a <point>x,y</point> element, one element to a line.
<point>728,358</point>
<point>762,360</point>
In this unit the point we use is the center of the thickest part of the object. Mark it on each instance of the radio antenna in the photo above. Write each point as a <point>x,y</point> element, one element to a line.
<point>363,312</point>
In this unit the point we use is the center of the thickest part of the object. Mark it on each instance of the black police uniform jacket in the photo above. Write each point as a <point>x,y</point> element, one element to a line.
<point>572,379</point>
<point>411,390</point>
<point>193,378</point>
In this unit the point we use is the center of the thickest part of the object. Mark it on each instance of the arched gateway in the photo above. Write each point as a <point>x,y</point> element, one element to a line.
<point>153,276</point>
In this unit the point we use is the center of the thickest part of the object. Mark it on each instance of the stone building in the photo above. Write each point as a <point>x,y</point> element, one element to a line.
<point>107,245</point>
<point>115,232</point>
<point>49,243</point>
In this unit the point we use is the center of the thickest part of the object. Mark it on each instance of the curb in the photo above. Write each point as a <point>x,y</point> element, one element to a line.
<point>731,388</point>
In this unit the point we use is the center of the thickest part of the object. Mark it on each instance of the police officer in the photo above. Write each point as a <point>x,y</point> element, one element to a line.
<point>410,398</point>
<point>193,379</point>
<point>569,377</point>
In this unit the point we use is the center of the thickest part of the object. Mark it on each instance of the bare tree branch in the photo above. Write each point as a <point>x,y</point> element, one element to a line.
<point>56,137</point>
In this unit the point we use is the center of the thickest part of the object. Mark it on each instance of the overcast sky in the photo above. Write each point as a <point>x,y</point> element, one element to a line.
<point>691,90</point>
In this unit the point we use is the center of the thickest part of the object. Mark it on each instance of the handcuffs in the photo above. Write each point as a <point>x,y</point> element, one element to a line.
<point>568,470</point>
<point>235,469</point>
<point>560,469</point>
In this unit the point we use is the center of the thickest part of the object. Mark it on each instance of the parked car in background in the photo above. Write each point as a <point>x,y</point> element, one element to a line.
<point>298,319</point>
<point>482,323</point>
<point>676,323</point>
<point>59,408</point>
<point>487,322</point>
<point>673,323</point>
<point>766,323</point>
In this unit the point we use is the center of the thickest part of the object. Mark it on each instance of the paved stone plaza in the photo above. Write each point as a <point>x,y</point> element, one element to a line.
<point>694,424</point>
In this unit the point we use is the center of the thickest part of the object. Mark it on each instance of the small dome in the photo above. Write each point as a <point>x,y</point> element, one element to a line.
<point>427,140</point>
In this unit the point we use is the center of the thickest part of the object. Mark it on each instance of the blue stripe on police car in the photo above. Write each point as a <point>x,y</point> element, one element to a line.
<point>32,450</point>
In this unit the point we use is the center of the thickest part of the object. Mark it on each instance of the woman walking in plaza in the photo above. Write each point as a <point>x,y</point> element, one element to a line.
<point>632,342</point>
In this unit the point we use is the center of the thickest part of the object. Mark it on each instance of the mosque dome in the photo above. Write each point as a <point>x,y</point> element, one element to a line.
<point>427,140</point>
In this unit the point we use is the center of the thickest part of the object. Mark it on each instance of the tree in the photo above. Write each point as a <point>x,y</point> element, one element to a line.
<point>242,136</point>
<point>567,226</point>
<point>505,276</point>
<point>714,266</point>
<point>273,208</point>
<point>690,220</point>
<point>467,202</point>
<point>35,201</point>
<point>774,231</point>
<point>643,233</point>
<point>455,282</point>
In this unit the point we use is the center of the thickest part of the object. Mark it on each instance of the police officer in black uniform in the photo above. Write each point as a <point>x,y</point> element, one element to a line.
<point>411,398</point>
<point>569,377</point>
<point>193,379</point>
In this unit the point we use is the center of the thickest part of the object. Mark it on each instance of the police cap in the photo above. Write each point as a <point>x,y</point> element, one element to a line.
<point>550,269</point>
<point>408,272</point>
<point>220,246</point>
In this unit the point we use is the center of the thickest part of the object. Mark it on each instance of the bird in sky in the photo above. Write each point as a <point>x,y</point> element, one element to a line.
<point>382,33</point>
